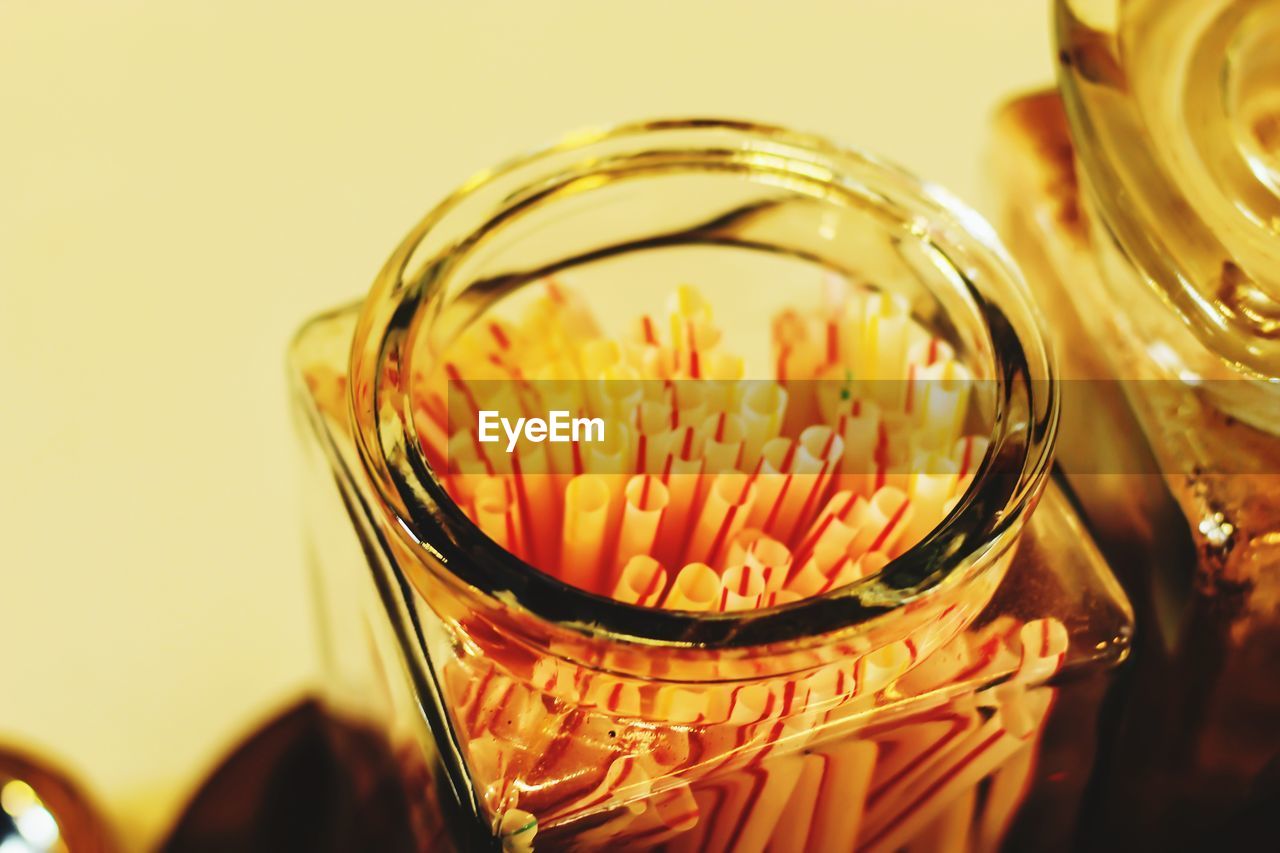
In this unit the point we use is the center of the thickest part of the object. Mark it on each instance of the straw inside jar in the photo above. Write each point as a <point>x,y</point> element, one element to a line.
<point>850,449</point>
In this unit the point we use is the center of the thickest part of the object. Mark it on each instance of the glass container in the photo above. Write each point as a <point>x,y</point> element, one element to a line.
<point>1144,206</point>
<point>946,701</point>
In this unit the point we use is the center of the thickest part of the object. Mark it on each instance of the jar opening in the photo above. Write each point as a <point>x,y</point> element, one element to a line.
<point>742,206</point>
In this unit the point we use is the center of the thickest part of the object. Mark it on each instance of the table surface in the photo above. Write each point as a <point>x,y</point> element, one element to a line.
<point>182,184</point>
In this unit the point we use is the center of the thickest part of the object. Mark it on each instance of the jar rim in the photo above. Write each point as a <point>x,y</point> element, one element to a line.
<point>983,524</point>
<point>1214,271</point>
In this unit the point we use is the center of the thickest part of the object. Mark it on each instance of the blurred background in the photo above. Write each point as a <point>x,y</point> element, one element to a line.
<point>182,183</point>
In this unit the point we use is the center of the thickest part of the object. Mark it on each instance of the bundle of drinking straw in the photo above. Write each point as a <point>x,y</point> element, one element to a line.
<point>713,491</point>
<point>811,776</point>
<point>707,490</point>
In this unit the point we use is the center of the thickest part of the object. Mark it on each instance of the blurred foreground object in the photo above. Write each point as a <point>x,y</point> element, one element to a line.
<point>43,812</point>
<point>304,781</point>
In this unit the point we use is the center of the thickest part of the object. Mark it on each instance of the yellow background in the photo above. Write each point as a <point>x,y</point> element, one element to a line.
<point>182,183</point>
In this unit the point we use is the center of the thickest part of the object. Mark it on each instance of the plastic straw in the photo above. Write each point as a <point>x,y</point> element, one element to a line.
<point>586,521</point>
<point>645,499</point>
<point>742,588</point>
<point>724,513</point>
<point>642,581</point>
<point>696,587</point>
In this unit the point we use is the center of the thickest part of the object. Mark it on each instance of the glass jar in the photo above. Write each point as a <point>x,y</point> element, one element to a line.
<point>1147,203</point>
<point>911,706</point>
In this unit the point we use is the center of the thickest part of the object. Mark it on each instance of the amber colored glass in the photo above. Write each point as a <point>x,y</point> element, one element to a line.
<point>1143,205</point>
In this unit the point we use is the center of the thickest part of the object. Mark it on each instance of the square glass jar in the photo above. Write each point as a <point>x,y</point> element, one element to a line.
<point>947,698</point>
